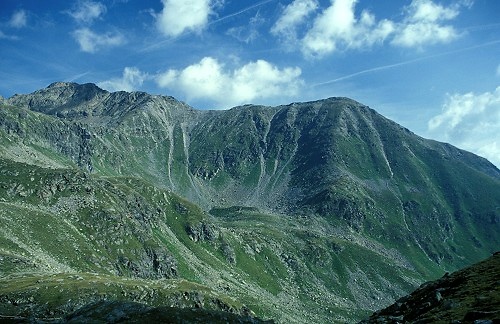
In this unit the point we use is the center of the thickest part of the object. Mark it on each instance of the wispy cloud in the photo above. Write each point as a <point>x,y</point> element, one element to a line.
<point>240,11</point>
<point>19,19</point>
<point>85,12</point>
<point>249,32</point>
<point>293,16</point>
<point>159,44</point>
<point>6,36</point>
<point>471,121</point>
<point>92,42</point>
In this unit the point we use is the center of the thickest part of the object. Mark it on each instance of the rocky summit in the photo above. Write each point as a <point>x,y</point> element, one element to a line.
<point>322,211</point>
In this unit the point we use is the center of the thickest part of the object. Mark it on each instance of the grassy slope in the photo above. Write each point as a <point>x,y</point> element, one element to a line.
<point>330,264</point>
<point>63,224</point>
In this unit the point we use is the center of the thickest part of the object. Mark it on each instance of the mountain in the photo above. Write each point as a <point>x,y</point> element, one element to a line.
<point>471,295</point>
<point>320,211</point>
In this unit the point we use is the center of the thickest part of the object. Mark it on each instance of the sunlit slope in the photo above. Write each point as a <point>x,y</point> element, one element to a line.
<point>310,211</point>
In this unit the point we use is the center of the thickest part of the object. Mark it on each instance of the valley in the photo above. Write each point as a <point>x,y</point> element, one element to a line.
<point>309,212</point>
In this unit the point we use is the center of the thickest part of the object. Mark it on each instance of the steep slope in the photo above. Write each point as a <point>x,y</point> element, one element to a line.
<point>69,238</point>
<point>313,211</point>
<point>335,158</point>
<point>471,295</point>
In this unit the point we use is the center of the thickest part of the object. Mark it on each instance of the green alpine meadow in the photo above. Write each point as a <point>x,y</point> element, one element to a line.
<point>313,212</point>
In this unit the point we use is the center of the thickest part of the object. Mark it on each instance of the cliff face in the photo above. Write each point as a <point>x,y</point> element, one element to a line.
<point>301,191</point>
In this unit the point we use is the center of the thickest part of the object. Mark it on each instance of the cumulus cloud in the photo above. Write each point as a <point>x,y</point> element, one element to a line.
<point>471,122</point>
<point>91,42</point>
<point>87,11</point>
<point>178,16</point>
<point>132,79</point>
<point>424,24</point>
<point>292,17</point>
<point>19,19</point>
<point>208,79</point>
<point>337,27</point>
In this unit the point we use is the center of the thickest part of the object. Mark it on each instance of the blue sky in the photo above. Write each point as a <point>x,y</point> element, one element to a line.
<point>431,65</point>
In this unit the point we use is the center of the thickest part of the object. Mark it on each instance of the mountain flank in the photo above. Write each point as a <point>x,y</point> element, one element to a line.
<point>319,211</point>
<point>470,295</point>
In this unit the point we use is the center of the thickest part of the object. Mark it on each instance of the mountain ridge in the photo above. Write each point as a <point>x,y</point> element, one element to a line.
<point>319,207</point>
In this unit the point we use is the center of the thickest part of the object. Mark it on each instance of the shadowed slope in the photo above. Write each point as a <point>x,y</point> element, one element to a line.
<point>312,211</point>
<point>468,295</point>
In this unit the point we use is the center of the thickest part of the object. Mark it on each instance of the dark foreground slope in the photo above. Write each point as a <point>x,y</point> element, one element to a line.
<point>127,312</point>
<point>309,212</point>
<point>466,296</point>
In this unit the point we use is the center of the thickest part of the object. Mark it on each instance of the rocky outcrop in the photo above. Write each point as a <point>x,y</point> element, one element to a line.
<point>202,231</point>
<point>127,312</point>
<point>471,295</point>
<point>315,208</point>
<point>151,263</point>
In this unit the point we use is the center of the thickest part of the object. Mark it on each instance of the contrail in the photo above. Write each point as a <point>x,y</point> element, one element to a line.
<point>76,77</point>
<point>378,68</point>
<point>482,27</point>
<point>241,11</point>
<point>156,45</point>
<point>390,66</point>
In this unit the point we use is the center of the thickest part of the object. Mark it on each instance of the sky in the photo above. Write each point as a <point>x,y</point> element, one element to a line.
<point>432,66</point>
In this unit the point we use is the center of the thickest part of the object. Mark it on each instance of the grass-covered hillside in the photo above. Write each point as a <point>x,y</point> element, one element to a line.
<point>311,212</point>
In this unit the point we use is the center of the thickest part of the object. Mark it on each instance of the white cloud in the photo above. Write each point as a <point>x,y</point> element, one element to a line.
<point>132,79</point>
<point>92,42</point>
<point>19,19</point>
<point>255,80</point>
<point>337,28</point>
<point>426,10</point>
<point>292,17</point>
<point>178,16</point>
<point>424,24</point>
<point>471,122</point>
<point>87,11</point>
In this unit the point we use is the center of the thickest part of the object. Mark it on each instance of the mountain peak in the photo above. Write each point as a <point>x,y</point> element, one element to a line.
<point>85,90</point>
<point>327,209</point>
<point>60,84</point>
<point>64,99</point>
